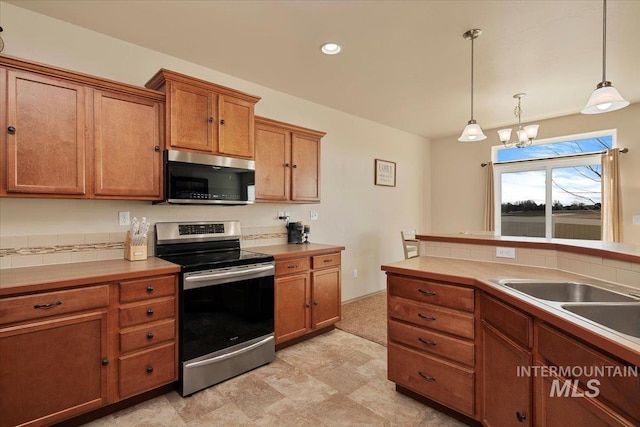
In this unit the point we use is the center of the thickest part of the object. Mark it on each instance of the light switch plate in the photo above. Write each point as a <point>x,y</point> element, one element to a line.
<point>505,252</point>
<point>636,220</point>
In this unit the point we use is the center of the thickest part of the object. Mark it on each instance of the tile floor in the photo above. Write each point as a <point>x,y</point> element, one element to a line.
<point>336,379</point>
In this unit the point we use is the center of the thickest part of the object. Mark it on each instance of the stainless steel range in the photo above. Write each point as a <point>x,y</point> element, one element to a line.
<point>226,301</point>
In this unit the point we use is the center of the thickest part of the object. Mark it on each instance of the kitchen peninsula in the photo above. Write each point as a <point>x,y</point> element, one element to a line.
<point>458,336</point>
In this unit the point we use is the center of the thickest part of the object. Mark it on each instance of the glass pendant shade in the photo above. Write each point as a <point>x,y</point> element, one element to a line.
<point>604,99</point>
<point>531,131</point>
<point>504,135</point>
<point>472,132</point>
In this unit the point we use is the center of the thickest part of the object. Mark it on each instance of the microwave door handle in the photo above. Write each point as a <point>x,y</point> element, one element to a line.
<point>228,274</point>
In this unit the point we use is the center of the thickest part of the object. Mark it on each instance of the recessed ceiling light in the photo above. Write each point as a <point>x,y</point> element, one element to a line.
<point>331,48</point>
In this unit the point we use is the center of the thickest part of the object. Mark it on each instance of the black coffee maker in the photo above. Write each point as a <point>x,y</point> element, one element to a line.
<point>296,232</point>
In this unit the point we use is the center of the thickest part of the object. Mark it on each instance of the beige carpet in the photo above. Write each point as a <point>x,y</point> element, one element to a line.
<point>366,318</point>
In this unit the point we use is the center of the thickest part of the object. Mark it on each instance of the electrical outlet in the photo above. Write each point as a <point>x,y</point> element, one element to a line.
<point>313,215</point>
<point>355,273</point>
<point>123,218</point>
<point>505,252</point>
<point>636,220</point>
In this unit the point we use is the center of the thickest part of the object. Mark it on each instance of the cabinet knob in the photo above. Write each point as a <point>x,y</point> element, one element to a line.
<point>149,289</point>
<point>210,119</point>
<point>308,305</point>
<point>286,165</point>
<point>222,121</point>
<point>11,130</point>
<point>295,166</point>
<point>521,416</point>
<point>156,148</point>
<point>150,312</point>
<point>150,336</point>
<point>315,303</point>
<point>149,369</point>
<point>105,362</point>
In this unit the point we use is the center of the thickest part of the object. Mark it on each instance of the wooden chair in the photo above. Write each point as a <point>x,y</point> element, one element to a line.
<point>410,244</point>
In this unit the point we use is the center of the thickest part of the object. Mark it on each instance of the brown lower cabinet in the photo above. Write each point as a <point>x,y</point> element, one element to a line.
<point>66,352</point>
<point>307,295</point>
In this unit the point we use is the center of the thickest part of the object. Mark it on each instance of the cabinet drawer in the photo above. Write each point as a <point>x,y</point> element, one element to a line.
<point>134,314</point>
<point>432,292</point>
<point>47,304</point>
<point>147,335</point>
<point>431,377</point>
<point>432,342</point>
<point>508,320</point>
<point>432,316</point>
<point>147,370</point>
<point>622,391</point>
<point>291,266</point>
<point>136,290</point>
<point>323,261</point>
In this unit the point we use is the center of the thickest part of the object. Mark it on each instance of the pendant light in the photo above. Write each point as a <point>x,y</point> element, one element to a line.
<point>525,134</point>
<point>605,98</point>
<point>473,131</point>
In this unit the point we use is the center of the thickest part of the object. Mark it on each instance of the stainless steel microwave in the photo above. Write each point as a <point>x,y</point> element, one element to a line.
<point>204,179</point>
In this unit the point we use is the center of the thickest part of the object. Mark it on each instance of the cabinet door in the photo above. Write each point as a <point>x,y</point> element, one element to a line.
<point>325,297</point>
<point>305,174</point>
<point>292,307</point>
<point>506,396</point>
<point>236,132</point>
<point>273,163</point>
<point>53,370</point>
<point>46,152</point>
<point>127,146</point>
<point>192,116</point>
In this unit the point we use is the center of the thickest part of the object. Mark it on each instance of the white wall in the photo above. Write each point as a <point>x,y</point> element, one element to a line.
<point>459,181</point>
<point>354,213</point>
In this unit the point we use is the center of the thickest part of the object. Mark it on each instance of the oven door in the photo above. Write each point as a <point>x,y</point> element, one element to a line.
<point>222,308</point>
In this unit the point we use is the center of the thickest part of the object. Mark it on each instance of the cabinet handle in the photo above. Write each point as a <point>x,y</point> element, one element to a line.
<point>11,130</point>
<point>422,291</point>
<point>210,119</point>
<point>149,289</point>
<point>295,166</point>
<point>521,416</point>
<point>427,342</point>
<point>286,165</point>
<point>150,336</point>
<point>222,121</point>
<point>156,148</point>
<point>150,312</point>
<point>426,377</point>
<point>422,316</point>
<point>327,260</point>
<point>293,266</point>
<point>48,305</point>
<point>307,305</point>
<point>105,362</point>
<point>149,369</point>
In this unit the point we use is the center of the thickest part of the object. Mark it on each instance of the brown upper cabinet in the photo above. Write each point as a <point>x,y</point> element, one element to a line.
<point>287,162</point>
<point>71,135</point>
<point>205,117</point>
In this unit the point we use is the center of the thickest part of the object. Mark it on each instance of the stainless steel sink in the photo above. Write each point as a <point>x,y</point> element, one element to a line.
<point>566,291</point>
<point>623,318</point>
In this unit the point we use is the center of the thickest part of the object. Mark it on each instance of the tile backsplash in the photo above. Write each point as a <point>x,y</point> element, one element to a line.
<point>25,251</point>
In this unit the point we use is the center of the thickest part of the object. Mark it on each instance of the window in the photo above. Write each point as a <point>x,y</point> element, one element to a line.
<point>551,188</point>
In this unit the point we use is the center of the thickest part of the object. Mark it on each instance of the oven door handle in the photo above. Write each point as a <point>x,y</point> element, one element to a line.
<point>233,275</point>
<point>229,355</point>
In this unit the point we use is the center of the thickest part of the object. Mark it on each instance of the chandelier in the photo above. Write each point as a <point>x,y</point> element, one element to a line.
<point>606,97</point>
<point>473,131</point>
<point>525,134</point>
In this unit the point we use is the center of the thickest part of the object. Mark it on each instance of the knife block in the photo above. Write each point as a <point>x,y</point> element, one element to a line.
<point>134,253</point>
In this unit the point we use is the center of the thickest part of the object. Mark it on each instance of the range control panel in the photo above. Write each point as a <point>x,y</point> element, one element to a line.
<point>189,229</point>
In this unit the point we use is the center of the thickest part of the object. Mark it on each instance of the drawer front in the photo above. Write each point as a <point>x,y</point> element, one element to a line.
<point>292,266</point>
<point>147,335</point>
<point>432,292</point>
<point>147,370</point>
<point>324,261</point>
<point>508,320</point>
<point>622,391</point>
<point>135,314</point>
<point>47,304</point>
<point>433,316</point>
<point>137,290</point>
<point>432,342</point>
<point>432,377</point>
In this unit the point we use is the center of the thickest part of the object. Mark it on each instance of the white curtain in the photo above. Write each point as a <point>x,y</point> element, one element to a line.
<point>489,200</point>
<point>611,208</point>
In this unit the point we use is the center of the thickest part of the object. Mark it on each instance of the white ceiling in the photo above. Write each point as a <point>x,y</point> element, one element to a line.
<point>404,63</point>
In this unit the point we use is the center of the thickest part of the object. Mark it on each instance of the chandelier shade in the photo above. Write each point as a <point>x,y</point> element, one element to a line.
<point>525,134</point>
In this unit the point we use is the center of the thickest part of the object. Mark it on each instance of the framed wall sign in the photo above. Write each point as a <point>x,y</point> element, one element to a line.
<point>385,173</point>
